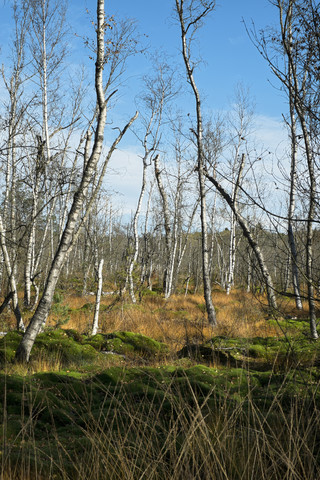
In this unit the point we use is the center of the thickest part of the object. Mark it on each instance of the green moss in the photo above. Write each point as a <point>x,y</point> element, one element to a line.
<point>78,337</point>
<point>8,346</point>
<point>291,326</point>
<point>62,345</point>
<point>126,343</point>
<point>63,410</point>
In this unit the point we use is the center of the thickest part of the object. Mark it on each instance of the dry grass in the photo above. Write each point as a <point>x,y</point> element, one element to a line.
<point>138,438</point>
<point>177,321</point>
<point>144,440</point>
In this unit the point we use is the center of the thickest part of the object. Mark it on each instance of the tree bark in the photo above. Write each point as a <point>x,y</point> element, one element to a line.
<point>193,23</point>
<point>95,324</point>
<point>253,244</point>
<point>11,277</point>
<point>167,227</point>
<point>70,234</point>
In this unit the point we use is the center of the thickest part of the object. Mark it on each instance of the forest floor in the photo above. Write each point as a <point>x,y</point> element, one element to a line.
<point>157,393</point>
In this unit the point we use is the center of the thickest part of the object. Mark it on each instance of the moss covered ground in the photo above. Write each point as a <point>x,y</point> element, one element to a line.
<point>114,393</point>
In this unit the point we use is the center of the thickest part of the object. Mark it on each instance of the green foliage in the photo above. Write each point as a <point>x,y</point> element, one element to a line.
<point>146,292</point>
<point>202,307</point>
<point>87,307</point>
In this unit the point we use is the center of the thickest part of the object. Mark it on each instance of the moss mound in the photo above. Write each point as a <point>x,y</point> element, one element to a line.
<point>68,346</point>
<point>8,346</point>
<point>128,343</point>
<point>65,345</point>
<point>258,352</point>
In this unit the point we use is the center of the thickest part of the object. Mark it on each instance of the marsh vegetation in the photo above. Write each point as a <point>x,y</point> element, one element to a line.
<point>157,393</point>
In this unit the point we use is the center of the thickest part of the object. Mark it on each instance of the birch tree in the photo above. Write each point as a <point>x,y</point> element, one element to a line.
<point>292,52</point>
<point>74,222</point>
<point>191,14</point>
<point>240,121</point>
<point>15,123</point>
<point>248,235</point>
<point>95,324</point>
<point>158,91</point>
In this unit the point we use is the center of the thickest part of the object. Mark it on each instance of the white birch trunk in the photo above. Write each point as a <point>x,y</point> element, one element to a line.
<point>70,232</point>
<point>293,180</point>
<point>136,234</point>
<point>11,277</point>
<point>95,324</point>
<point>254,245</point>
<point>167,227</point>
<point>192,24</point>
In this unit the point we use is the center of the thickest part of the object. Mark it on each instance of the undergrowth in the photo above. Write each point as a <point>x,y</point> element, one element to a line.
<point>158,394</point>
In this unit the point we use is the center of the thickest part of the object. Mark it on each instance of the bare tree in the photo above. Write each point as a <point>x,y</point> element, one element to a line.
<point>12,281</point>
<point>16,109</point>
<point>74,222</point>
<point>157,93</point>
<point>247,233</point>
<point>292,52</point>
<point>240,121</point>
<point>191,14</point>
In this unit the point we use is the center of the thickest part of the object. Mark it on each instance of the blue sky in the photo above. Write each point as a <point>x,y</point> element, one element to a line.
<point>227,51</point>
<point>228,54</point>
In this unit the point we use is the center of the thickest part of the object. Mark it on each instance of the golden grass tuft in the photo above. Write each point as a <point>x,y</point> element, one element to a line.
<point>177,321</point>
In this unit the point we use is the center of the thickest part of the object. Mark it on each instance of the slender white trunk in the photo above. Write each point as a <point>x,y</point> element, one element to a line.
<point>136,234</point>
<point>146,252</point>
<point>293,181</point>
<point>70,233</point>
<point>30,260</point>
<point>192,23</point>
<point>167,227</point>
<point>95,325</point>
<point>11,277</point>
<point>249,272</point>
<point>232,252</point>
<point>298,90</point>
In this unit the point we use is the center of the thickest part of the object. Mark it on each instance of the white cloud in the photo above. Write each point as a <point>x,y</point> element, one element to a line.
<point>124,174</point>
<point>271,134</point>
<point>123,178</point>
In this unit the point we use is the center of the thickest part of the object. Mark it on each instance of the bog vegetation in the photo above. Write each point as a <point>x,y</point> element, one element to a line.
<point>182,342</point>
<point>160,393</point>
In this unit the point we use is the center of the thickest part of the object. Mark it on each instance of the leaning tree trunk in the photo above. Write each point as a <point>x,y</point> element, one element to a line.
<point>80,197</point>
<point>253,244</point>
